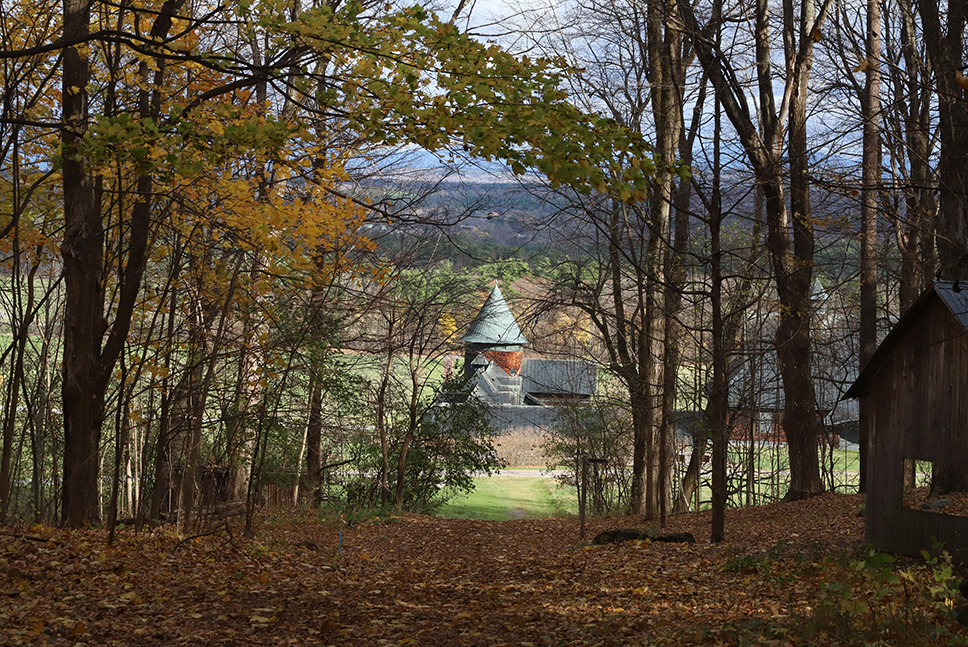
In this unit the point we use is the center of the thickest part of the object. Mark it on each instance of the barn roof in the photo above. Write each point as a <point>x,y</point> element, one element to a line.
<point>559,376</point>
<point>507,417</point>
<point>953,294</point>
<point>759,385</point>
<point>494,325</point>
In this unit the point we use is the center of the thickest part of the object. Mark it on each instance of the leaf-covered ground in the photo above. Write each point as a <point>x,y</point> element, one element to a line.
<point>789,574</point>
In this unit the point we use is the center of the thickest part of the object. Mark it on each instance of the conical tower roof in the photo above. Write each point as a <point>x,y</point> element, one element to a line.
<point>494,324</point>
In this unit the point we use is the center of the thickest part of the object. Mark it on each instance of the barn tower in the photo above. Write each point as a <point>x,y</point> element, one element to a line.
<point>494,336</point>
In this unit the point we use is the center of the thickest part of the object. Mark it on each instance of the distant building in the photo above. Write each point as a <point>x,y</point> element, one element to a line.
<point>756,398</point>
<point>494,338</point>
<point>521,392</point>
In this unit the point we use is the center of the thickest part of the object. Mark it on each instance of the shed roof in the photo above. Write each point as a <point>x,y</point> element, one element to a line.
<point>494,325</point>
<point>953,294</point>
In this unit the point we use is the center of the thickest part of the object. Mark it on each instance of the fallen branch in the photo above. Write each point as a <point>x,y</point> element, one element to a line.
<point>627,534</point>
<point>206,534</point>
<point>32,538</point>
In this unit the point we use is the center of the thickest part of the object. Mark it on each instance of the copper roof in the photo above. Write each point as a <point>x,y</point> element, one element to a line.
<point>494,325</point>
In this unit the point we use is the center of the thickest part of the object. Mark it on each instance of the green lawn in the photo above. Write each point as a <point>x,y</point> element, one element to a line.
<point>502,497</point>
<point>499,498</point>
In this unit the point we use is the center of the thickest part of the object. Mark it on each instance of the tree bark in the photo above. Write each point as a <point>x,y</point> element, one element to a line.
<point>83,380</point>
<point>871,107</point>
<point>314,428</point>
<point>946,51</point>
<point>717,395</point>
<point>630,350</point>
<point>665,88</point>
<point>414,419</point>
<point>947,478</point>
<point>915,239</point>
<point>198,388</point>
<point>945,47</point>
<point>89,358</point>
<point>24,318</point>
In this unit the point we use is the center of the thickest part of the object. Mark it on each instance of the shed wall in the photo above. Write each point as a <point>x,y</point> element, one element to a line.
<point>919,410</point>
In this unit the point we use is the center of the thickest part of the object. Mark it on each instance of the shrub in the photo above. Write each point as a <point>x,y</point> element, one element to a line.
<point>522,447</point>
<point>598,431</point>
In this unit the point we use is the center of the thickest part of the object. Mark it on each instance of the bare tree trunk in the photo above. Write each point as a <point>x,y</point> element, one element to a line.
<point>717,396</point>
<point>871,106</point>
<point>630,337</point>
<point>21,332</point>
<point>732,330</point>
<point>83,384</point>
<point>238,444</point>
<point>198,397</point>
<point>162,481</point>
<point>413,425</point>
<point>945,46</point>
<point>792,260</point>
<point>653,363</point>
<point>946,50</point>
<point>919,253</point>
<point>915,237</point>
<point>89,358</point>
<point>382,415</point>
<point>672,338</point>
<point>38,408</point>
<point>676,279</point>
<point>120,440</point>
<point>794,276</point>
<point>314,428</point>
<point>402,466</point>
<point>947,478</point>
<point>183,410</point>
<point>666,77</point>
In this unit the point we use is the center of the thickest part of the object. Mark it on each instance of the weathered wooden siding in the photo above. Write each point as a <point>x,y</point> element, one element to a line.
<point>919,410</point>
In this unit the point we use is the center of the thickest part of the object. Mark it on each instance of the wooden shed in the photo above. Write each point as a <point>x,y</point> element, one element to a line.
<point>916,384</point>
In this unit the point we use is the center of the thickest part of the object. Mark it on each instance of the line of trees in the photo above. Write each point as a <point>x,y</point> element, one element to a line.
<point>207,220</point>
<point>826,142</point>
<point>186,223</point>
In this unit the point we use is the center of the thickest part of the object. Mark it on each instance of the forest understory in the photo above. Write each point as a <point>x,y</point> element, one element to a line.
<point>788,574</point>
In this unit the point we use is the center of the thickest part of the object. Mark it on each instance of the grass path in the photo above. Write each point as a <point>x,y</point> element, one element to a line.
<point>504,497</point>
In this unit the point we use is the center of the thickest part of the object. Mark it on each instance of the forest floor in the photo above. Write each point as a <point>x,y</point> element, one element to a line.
<point>788,574</point>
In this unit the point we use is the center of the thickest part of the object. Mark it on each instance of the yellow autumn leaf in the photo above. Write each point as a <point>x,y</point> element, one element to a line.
<point>961,80</point>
